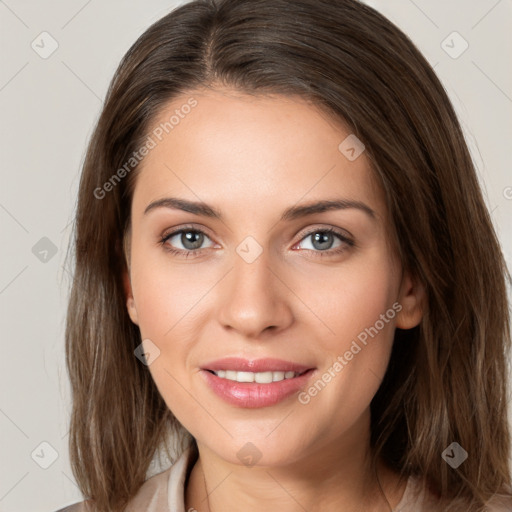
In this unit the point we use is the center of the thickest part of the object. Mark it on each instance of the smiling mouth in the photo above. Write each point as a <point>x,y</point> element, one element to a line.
<point>274,381</point>
<point>258,377</point>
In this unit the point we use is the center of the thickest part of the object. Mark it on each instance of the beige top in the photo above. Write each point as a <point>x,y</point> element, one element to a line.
<point>165,492</point>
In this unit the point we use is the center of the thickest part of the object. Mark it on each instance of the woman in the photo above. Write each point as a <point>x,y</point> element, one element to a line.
<point>284,264</point>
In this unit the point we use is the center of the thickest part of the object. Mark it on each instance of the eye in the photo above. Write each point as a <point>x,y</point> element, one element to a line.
<point>323,242</point>
<point>190,239</point>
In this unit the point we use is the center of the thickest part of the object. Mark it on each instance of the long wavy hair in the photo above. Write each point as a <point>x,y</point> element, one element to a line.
<point>447,378</point>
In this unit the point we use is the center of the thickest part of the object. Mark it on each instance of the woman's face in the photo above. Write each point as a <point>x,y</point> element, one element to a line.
<point>255,276</point>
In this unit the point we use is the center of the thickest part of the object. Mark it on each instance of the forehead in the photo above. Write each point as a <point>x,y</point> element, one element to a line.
<point>245,151</point>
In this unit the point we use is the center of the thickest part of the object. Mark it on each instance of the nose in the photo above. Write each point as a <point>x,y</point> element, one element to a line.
<point>253,300</point>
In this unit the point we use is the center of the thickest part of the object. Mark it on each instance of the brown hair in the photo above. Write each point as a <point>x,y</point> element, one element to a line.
<point>446,380</point>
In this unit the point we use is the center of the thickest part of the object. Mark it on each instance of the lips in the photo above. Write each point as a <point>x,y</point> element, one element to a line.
<point>252,394</point>
<point>239,364</point>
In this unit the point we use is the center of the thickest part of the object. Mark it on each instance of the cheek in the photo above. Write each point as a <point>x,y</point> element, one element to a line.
<point>171,304</point>
<point>363,305</point>
<point>167,297</point>
<point>350,299</point>
<point>360,309</point>
<point>167,302</point>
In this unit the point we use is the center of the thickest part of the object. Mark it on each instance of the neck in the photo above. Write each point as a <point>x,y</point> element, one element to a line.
<point>338,475</point>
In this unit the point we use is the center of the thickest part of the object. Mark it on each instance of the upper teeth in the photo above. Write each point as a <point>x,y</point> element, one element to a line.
<point>259,377</point>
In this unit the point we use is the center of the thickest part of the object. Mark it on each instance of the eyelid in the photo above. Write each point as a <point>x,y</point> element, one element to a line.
<point>344,234</point>
<point>185,227</point>
<point>346,242</point>
<point>169,233</point>
<point>316,229</point>
<point>344,237</point>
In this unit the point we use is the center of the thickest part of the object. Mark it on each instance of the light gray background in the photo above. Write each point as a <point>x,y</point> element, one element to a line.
<point>49,107</point>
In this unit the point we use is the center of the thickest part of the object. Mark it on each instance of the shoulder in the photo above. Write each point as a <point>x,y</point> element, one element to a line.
<point>163,491</point>
<point>76,507</point>
<point>152,493</point>
<point>417,497</point>
<point>499,504</point>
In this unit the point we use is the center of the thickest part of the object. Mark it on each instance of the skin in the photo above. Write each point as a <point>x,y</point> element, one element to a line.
<point>251,158</point>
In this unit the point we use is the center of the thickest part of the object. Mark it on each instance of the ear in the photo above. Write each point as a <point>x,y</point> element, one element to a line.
<point>130,302</point>
<point>412,300</point>
<point>124,248</point>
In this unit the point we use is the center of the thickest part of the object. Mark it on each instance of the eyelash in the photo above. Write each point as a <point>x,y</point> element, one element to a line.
<point>196,252</point>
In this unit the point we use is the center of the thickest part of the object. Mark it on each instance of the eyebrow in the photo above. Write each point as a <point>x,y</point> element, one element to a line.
<point>292,213</point>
